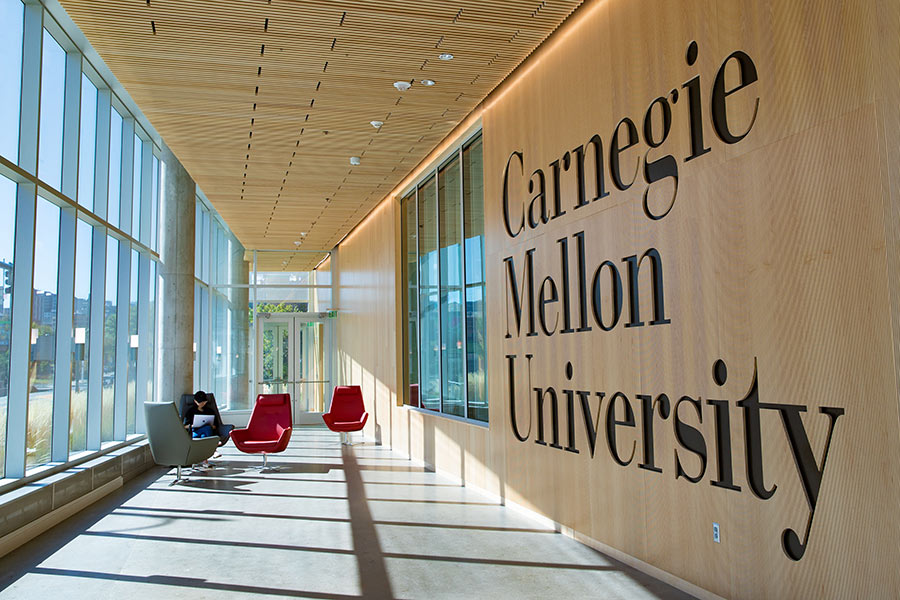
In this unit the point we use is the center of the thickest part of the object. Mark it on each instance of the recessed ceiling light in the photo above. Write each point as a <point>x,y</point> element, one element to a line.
<point>376,124</point>
<point>402,85</point>
<point>427,82</point>
<point>354,160</point>
<point>297,243</point>
<point>445,56</point>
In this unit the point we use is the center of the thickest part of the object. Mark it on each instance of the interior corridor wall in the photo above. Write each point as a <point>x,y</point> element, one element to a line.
<point>777,254</point>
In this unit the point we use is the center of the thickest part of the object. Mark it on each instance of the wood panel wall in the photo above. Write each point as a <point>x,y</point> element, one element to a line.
<point>780,254</point>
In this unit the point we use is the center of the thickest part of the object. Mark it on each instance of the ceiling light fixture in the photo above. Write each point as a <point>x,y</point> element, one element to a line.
<point>445,56</point>
<point>376,124</point>
<point>354,160</point>
<point>427,82</point>
<point>402,85</point>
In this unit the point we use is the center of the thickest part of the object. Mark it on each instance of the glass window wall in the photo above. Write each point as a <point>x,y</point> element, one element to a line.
<point>42,365</point>
<point>443,242</point>
<point>53,96</point>
<point>7,248</point>
<point>110,331</point>
<point>73,248</point>
<point>12,19</point>
<point>81,336</point>
<point>88,139</point>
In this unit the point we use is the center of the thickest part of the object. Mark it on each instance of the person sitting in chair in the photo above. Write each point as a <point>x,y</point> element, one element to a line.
<point>201,407</point>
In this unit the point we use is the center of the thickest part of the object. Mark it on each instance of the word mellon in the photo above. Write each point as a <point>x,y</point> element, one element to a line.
<point>528,300</point>
<point>606,415</point>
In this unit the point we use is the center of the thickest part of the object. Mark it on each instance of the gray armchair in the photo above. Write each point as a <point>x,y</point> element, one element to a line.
<point>170,443</point>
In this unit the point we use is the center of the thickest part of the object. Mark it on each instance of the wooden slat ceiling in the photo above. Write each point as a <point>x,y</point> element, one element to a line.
<point>265,101</point>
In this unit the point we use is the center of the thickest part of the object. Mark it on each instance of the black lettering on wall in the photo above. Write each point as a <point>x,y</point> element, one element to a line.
<point>511,364</point>
<point>612,423</point>
<point>538,200</point>
<point>695,110</point>
<point>808,469</point>
<point>690,438</point>
<point>591,423</point>
<point>615,294</point>
<point>582,283</point>
<point>753,441</point>
<point>506,221</point>
<point>648,408</point>
<point>724,464</point>
<point>540,395</point>
<point>570,412</point>
<point>720,94</point>
<point>616,149</point>
<point>664,166</point>
<point>542,305</point>
<point>656,285</point>
<point>514,292</point>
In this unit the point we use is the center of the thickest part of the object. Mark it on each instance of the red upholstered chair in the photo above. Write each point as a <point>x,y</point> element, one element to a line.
<point>269,429</point>
<point>347,412</point>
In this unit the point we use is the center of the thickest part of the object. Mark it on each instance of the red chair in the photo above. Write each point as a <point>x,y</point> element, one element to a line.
<point>347,412</point>
<point>269,429</point>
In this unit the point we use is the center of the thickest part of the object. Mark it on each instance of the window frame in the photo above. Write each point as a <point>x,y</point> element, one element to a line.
<point>410,193</point>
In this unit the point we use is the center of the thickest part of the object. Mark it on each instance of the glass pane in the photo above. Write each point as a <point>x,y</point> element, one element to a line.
<point>154,204</point>
<point>81,336</point>
<point>88,143</point>
<point>109,339</point>
<point>452,365</point>
<point>429,299</point>
<point>12,19</point>
<point>7,246</point>
<point>115,167</point>
<point>53,87</point>
<point>197,317</point>
<point>476,351</point>
<point>151,312</point>
<point>43,334</point>
<point>221,352</point>
<point>133,342</point>
<point>412,301</point>
<point>136,189</point>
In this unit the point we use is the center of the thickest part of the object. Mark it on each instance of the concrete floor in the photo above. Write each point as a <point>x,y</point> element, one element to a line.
<point>330,523</point>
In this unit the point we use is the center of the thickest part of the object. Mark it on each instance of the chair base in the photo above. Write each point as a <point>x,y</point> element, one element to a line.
<point>265,467</point>
<point>346,439</point>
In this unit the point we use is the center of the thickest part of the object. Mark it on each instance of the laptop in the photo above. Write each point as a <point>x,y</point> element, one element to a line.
<point>201,420</point>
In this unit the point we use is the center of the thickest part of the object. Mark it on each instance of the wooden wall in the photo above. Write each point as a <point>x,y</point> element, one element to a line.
<point>780,254</point>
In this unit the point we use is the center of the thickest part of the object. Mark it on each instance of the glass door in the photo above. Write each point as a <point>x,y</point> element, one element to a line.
<point>296,359</point>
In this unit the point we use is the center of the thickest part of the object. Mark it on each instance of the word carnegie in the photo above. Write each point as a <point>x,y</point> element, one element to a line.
<point>620,415</point>
<point>625,136</point>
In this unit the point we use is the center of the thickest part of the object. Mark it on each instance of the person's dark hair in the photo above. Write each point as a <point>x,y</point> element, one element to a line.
<point>200,396</point>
